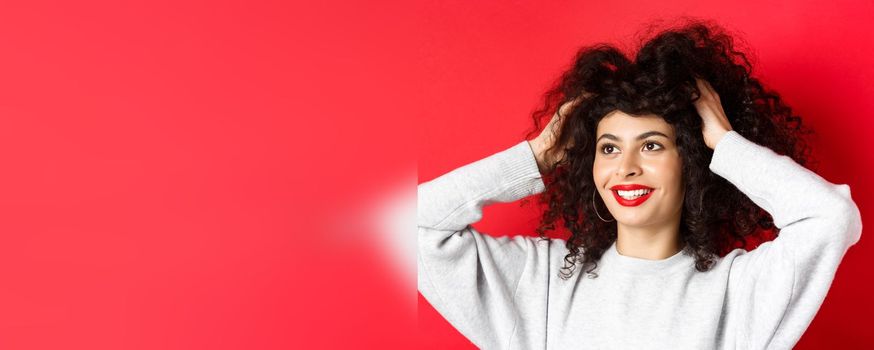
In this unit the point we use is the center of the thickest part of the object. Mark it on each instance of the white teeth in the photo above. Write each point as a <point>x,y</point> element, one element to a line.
<point>632,194</point>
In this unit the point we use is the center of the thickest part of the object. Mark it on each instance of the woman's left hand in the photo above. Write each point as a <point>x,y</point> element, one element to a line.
<point>710,109</point>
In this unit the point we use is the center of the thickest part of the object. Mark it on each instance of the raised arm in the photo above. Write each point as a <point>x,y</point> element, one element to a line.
<point>470,277</point>
<point>776,289</point>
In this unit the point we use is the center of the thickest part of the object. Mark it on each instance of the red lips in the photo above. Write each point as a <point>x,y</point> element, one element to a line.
<point>630,187</point>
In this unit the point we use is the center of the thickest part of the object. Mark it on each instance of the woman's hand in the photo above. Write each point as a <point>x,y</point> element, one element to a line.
<point>710,109</point>
<point>548,136</point>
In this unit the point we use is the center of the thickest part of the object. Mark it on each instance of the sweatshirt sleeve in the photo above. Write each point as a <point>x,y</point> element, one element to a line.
<point>776,289</point>
<point>469,277</point>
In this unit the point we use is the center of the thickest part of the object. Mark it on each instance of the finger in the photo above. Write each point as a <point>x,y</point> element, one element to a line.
<point>712,90</point>
<point>704,85</point>
<point>707,90</point>
<point>568,106</point>
<point>702,89</point>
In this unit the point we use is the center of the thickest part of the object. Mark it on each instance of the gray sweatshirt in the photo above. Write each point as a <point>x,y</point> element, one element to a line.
<point>505,292</point>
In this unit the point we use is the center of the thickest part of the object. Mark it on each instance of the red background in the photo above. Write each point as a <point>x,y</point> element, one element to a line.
<point>197,174</point>
<point>487,66</point>
<point>202,174</point>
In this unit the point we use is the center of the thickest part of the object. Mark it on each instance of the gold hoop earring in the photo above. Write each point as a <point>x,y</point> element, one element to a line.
<point>596,209</point>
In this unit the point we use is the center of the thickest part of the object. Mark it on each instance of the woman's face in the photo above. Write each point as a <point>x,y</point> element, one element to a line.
<point>638,151</point>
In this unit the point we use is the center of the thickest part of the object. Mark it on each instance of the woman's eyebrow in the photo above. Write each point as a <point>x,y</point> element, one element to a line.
<point>639,137</point>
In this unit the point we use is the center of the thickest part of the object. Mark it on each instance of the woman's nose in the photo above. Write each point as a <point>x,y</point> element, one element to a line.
<point>630,165</point>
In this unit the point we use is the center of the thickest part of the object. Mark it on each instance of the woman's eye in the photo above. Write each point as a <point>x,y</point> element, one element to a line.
<point>651,143</point>
<point>647,146</point>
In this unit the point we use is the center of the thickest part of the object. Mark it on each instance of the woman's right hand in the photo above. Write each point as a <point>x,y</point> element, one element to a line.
<point>547,137</point>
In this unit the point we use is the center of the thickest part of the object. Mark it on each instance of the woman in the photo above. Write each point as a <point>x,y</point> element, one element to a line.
<point>659,168</point>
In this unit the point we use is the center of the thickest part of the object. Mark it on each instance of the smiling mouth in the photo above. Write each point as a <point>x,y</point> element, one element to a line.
<point>632,195</point>
<point>632,198</point>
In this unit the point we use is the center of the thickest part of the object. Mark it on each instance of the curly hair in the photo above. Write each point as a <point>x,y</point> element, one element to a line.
<point>716,216</point>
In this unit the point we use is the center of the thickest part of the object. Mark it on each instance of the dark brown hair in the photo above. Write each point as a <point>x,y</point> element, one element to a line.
<point>716,216</point>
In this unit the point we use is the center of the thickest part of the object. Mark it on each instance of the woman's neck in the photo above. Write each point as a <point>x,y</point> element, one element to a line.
<point>651,243</point>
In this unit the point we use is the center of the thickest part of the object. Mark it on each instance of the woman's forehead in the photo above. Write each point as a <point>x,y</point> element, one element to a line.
<point>619,123</point>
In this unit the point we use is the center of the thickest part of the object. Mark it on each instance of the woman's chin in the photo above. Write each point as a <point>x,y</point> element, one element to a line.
<point>633,219</point>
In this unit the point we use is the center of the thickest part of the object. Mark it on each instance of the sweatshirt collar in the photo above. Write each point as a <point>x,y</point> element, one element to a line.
<point>638,266</point>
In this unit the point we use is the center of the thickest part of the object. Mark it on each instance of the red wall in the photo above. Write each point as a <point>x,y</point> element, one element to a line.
<point>487,66</point>
<point>215,174</point>
<point>201,174</point>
